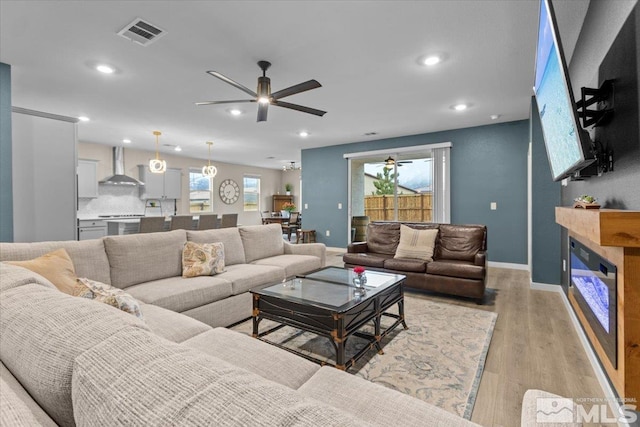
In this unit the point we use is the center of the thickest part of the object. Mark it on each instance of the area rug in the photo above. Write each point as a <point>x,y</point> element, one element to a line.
<point>439,359</point>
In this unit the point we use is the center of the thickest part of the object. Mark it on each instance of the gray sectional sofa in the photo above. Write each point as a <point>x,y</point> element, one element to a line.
<point>72,361</point>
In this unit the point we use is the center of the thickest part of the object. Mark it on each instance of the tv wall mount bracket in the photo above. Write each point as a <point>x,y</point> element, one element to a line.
<point>603,97</point>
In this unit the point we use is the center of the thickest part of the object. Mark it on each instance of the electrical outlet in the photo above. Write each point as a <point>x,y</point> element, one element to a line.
<point>328,233</point>
<point>494,206</point>
<point>564,265</point>
<point>339,205</point>
<point>306,205</point>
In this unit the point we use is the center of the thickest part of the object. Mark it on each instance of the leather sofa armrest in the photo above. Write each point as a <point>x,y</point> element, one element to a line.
<point>481,258</point>
<point>358,248</point>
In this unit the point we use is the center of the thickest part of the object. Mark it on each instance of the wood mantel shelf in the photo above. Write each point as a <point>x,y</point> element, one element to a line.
<point>606,227</point>
<point>615,235</point>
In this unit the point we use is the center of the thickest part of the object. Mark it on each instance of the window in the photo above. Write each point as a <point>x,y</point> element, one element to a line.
<point>251,193</point>
<point>200,198</point>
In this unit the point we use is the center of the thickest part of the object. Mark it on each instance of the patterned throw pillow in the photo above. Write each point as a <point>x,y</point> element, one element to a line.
<point>202,259</point>
<point>109,295</point>
<point>416,244</point>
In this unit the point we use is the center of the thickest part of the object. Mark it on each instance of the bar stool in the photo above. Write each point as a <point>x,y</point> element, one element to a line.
<point>208,222</point>
<point>151,224</point>
<point>181,222</point>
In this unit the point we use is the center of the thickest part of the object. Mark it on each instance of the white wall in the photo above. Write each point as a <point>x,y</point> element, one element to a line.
<point>272,180</point>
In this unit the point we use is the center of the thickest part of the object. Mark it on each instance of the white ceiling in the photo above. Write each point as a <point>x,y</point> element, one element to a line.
<point>364,53</point>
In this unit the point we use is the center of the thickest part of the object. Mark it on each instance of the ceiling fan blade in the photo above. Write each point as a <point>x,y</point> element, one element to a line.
<point>232,83</point>
<point>225,102</point>
<point>292,90</point>
<point>262,111</point>
<point>299,108</point>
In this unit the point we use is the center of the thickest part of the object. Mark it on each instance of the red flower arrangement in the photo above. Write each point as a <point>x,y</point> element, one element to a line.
<point>358,270</point>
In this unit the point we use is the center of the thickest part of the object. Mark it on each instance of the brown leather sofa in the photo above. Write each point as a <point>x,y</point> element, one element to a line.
<point>459,265</point>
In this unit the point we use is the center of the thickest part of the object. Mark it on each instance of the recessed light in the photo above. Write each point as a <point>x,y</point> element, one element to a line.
<point>126,141</point>
<point>303,133</point>
<point>495,116</point>
<point>177,148</point>
<point>432,60</point>
<point>235,112</point>
<point>460,107</point>
<point>105,69</point>
<point>84,118</point>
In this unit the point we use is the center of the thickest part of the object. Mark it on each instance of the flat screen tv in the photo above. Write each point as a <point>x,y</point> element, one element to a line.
<point>568,145</point>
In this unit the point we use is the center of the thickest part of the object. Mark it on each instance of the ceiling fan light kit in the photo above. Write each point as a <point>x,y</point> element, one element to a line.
<point>263,95</point>
<point>157,165</point>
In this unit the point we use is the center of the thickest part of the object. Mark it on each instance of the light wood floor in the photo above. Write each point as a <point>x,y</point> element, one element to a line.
<point>534,345</point>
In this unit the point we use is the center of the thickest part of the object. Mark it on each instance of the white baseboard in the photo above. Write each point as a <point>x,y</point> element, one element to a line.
<point>609,394</point>
<point>329,248</point>
<point>545,287</point>
<point>509,265</point>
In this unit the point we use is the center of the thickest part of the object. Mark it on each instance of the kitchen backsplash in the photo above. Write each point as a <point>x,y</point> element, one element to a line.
<point>120,200</point>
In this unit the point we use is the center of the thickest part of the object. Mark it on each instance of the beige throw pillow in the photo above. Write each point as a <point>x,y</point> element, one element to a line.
<point>109,295</point>
<point>56,267</point>
<point>416,244</point>
<point>202,259</point>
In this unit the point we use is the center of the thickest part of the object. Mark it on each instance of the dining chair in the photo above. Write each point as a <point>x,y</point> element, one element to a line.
<point>265,216</point>
<point>208,221</point>
<point>292,225</point>
<point>181,222</point>
<point>229,220</point>
<point>151,224</point>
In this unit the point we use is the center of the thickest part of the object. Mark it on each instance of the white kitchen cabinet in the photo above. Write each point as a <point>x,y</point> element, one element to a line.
<point>91,229</point>
<point>166,185</point>
<point>87,178</point>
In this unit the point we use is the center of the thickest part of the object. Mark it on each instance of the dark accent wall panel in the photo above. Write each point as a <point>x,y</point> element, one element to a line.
<point>488,164</point>
<point>6,185</point>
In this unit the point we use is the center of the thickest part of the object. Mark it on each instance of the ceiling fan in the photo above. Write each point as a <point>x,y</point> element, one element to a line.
<point>390,162</point>
<point>264,97</point>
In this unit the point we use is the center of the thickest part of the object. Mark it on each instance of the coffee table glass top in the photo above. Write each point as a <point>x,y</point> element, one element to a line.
<point>331,288</point>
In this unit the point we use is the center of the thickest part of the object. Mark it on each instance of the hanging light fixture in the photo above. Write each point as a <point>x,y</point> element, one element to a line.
<point>292,167</point>
<point>209,171</point>
<point>156,165</point>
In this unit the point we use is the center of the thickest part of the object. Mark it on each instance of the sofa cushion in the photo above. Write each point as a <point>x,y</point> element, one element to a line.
<point>10,384</point>
<point>405,264</point>
<point>13,411</point>
<point>292,264</point>
<point>373,403</point>
<point>180,294</point>
<point>229,237</point>
<point>416,244</point>
<point>383,237</point>
<point>461,242</point>
<point>463,269</point>
<point>88,256</point>
<point>139,258</point>
<point>258,357</point>
<point>42,331</point>
<point>110,295</point>
<point>56,267</point>
<point>261,241</point>
<point>202,259</point>
<point>244,277</point>
<point>14,276</point>
<point>113,384</point>
<point>366,259</point>
<point>170,325</point>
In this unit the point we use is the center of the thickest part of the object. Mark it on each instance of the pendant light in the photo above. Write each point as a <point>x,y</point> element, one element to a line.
<point>156,165</point>
<point>209,171</point>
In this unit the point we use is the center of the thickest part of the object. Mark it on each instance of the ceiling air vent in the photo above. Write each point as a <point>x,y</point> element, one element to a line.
<point>141,32</point>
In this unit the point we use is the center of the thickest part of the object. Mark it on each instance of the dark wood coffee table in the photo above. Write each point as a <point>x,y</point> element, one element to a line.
<point>326,303</point>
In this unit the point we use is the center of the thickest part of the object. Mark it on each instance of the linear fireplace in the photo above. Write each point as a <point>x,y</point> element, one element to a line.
<point>593,285</point>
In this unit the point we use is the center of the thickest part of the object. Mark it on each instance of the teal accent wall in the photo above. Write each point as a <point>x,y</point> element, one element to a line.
<point>6,187</point>
<point>488,164</point>
<point>545,196</point>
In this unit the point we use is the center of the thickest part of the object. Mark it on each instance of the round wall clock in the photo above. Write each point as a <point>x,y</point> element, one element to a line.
<point>229,191</point>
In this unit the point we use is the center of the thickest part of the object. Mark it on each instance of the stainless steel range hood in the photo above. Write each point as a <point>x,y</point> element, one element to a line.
<point>118,177</point>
